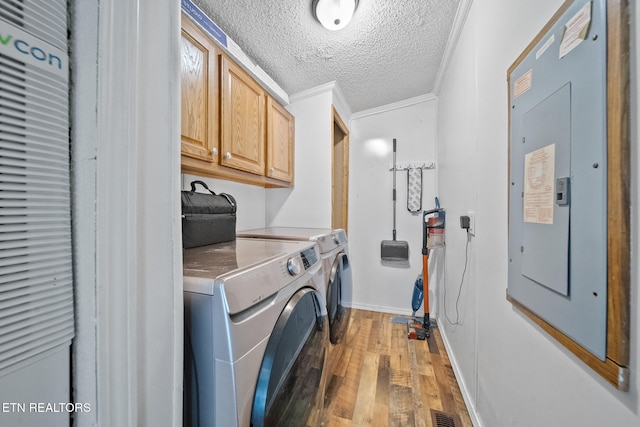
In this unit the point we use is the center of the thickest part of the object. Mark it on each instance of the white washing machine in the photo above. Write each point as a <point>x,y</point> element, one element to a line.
<point>256,334</point>
<point>334,251</point>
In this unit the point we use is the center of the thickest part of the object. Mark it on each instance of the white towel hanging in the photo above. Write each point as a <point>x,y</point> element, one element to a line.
<point>414,189</point>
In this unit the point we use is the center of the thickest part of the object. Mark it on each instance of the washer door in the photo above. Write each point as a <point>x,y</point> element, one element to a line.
<point>339,291</point>
<point>291,382</point>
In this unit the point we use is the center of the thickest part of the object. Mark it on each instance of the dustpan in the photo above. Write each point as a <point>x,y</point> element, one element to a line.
<point>394,253</point>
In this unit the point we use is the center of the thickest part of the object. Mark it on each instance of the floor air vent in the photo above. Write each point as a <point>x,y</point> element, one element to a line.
<point>443,419</point>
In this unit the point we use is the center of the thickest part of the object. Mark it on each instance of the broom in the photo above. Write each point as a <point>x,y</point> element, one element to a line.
<point>394,252</point>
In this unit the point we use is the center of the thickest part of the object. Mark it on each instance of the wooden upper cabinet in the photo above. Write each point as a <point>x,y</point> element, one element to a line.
<point>224,118</point>
<point>199,97</point>
<point>243,120</point>
<point>280,142</point>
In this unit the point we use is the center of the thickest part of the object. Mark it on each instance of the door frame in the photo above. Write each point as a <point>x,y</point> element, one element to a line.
<point>340,178</point>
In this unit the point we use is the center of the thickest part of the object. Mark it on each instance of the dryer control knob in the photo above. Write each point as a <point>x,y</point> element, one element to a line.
<point>293,266</point>
<point>336,239</point>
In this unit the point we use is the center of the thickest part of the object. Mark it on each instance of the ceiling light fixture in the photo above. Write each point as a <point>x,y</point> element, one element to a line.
<point>334,14</point>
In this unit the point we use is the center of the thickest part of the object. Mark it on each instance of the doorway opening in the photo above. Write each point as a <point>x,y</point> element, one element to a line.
<point>339,171</point>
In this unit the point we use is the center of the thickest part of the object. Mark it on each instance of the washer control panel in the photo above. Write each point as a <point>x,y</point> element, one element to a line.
<point>300,262</point>
<point>309,258</point>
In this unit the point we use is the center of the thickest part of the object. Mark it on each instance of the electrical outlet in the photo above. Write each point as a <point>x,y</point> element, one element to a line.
<point>472,222</point>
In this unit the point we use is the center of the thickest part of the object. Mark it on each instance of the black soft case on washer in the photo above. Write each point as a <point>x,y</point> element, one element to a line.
<point>207,218</point>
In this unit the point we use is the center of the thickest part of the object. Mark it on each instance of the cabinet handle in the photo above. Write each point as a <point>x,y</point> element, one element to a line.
<point>214,151</point>
<point>227,155</point>
<point>271,171</point>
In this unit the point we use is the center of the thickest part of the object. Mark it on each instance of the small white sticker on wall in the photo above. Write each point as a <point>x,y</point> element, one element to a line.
<point>576,30</point>
<point>545,46</point>
<point>523,84</point>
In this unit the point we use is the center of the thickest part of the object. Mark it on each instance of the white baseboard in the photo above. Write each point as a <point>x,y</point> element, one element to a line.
<point>461,383</point>
<point>390,310</point>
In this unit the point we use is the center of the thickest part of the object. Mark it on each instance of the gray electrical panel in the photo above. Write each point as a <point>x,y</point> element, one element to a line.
<point>558,177</point>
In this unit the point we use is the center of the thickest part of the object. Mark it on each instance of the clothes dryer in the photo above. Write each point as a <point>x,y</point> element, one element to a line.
<point>256,333</point>
<point>334,251</point>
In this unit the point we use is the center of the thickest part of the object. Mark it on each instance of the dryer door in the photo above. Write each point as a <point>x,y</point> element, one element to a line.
<point>339,290</point>
<point>291,382</point>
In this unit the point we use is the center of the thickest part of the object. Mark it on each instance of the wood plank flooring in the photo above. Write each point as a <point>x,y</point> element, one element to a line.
<point>378,377</point>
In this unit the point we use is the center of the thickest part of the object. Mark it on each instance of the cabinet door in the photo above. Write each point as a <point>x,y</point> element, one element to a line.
<point>280,131</point>
<point>243,123</point>
<point>199,84</point>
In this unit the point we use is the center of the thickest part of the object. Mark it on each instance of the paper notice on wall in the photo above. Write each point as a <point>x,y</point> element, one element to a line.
<point>523,84</point>
<point>576,30</point>
<point>539,173</point>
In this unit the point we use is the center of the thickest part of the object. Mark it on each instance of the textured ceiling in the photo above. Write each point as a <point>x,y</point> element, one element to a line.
<point>391,50</point>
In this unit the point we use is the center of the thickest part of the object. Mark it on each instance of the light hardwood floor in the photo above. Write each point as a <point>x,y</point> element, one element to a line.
<point>378,377</point>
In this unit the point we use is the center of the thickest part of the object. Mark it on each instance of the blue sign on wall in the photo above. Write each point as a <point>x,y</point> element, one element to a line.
<point>206,23</point>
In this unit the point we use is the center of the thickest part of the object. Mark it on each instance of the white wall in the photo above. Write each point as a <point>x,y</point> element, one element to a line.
<point>457,176</point>
<point>511,372</point>
<point>84,149</point>
<point>250,199</point>
<point>378,287</point>
<point>308,204</point>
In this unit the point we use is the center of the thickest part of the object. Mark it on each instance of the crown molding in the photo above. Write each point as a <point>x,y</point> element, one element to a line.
<point>395,105</point>
<point>456,29</point>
